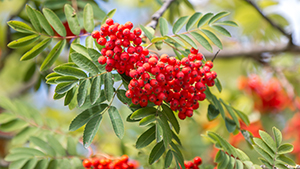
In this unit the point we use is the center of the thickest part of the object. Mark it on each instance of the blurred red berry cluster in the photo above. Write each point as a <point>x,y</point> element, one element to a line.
<point>292,131</point>
<point>122,162</point>
<point>269,96</point>
<point>253,128</point>
<point>156,79</point>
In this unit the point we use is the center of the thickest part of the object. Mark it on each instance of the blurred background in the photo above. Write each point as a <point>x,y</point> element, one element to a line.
<point>258,69</point>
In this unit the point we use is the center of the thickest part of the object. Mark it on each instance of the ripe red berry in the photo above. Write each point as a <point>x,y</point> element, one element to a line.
<point>87,163</point>
<point>194,51</point>
<point>101,41</point>
<point>209,64</point>
<point>102,60</point>
<point>137,31</point>
<point>197,160</point>
<point>96,34</point>
<point>109,21</point>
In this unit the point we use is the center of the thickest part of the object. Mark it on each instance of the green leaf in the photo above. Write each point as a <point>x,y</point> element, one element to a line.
<point>30,72</point>
<point>27,150</point>
<point>23,41</point>
<point>146,138</point>
<point>37,49</point>
<point>122,97</point>
<point>187,40</point>
<point>176,138</point>
<point>116,121</point>
<point>80,49</point>
<point>179,24</point>
<point>149,32</point>
<point>169,158</point>
<point>213,38</point>
<point>243,116</point>
<point>42,164</point>
<point>24,135</point>
<point>62,79</point>
<point>14,157</point>
<point>20,26</point>
<point>70,71</point>
<point>156,152</point>
<point>286,160</point>
<point>33,18</point>
<point>110,14</point>
<point>281,166</point>
<point>193,20</point>
<point>56,145</point>
<point>263,146</point>
<point>89,42</point>
<point>13,125</point>
<point>158,132</point>
<point>85,63</point>
<point>143,112</point>
<point>147,120</point>
<point>204,19</point>
<point>167,111</point>
<point>167,132</point>
<point>179,159</point>
<point>72,19</point>
<point>212,112</point>
<point>44,23</point>
<point>263,154</point>
<point>6,117</point>
<point>57,96</point>
<point>88,18</point>
<point>53,164</point>
<point>108,86</point>
<point>163,26</point>
<point>158,39</point>
<point>69,96</point>
<point>53,55</point>
<point>71,146</point>
<point>268,140</point>
<point>285,148</point>
<point>202,41</point>
<point>224,162</point>
<point>91,129</point>
<point>218,85</point>
<point>232,114</point>
<point>221,30</point>
<point>176,40</point>
<point>84,85</point>
<point>228,23</point>
<point>64,87</point>
<point>277,135</point>
<point>217,17</point>
<point>18,164</point>
<point>85,116</point>
<point>43,145</point>
<point>95,89</point>
<point>230,125</point>
<point>54,21</point>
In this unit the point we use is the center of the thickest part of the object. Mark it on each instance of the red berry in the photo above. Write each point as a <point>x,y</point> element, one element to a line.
<point>96,34</point>
<point>197,160</point>
<point>101,41</point>
<point>109,21</point>
<point>194,51</point>
<point>87,163</point>
<point>137,31</point>
<point>102,60</point>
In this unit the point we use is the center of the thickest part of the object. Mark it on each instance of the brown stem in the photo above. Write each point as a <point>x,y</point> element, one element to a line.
<point>159,13</point>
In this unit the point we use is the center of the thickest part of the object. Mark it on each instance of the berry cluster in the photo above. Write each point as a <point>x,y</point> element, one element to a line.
<point>156,79</point>
<point>105,163</point>
<point>180,83</point>
<point>269,95</point>
<point>122,49</point>
<point>193,164</point>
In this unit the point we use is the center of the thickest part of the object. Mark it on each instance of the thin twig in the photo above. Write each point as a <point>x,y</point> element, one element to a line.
<point>215,56</point>
<point>159,13</point>
<point>275,25</point>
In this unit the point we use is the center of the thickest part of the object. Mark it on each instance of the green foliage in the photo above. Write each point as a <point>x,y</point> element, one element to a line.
<point>36,144</point>
<point>273,151</point>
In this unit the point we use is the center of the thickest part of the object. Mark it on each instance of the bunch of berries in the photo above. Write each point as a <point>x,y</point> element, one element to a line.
<point>269,96</point>
<point>122,49</point>
<point>156,79</point>
<point>178,82</point>
<point>193,164</point>
<point>105,163</point>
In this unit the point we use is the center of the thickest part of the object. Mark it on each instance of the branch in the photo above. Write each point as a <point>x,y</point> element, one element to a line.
<point>276,26</point>
<point>159,13</point>
<point>253,52</point>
